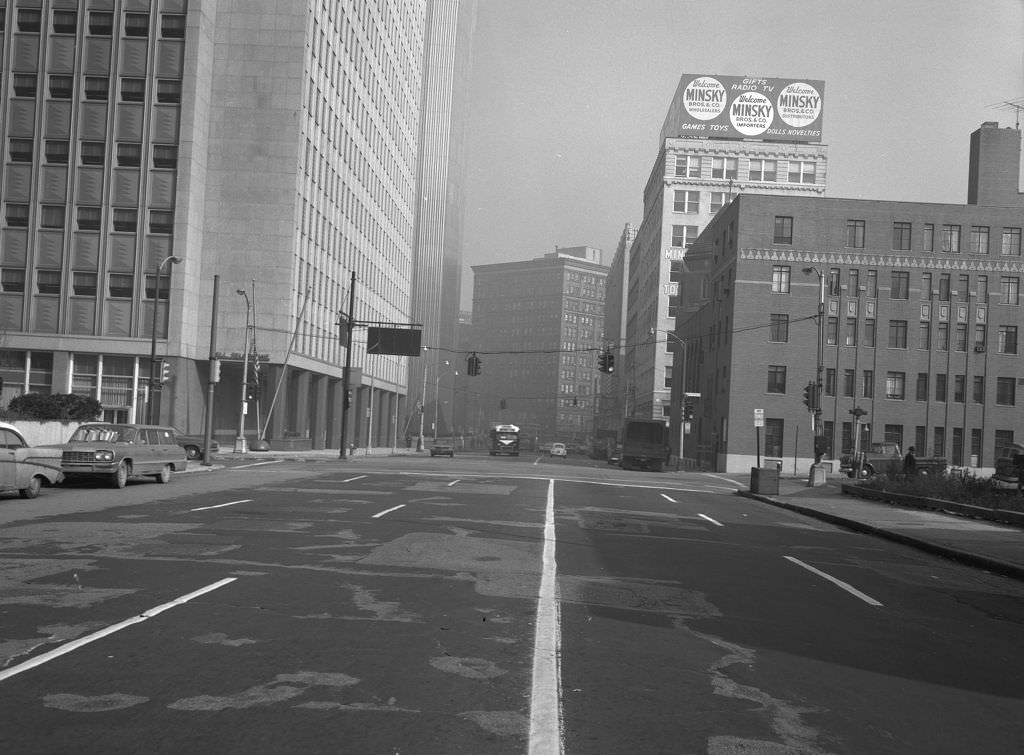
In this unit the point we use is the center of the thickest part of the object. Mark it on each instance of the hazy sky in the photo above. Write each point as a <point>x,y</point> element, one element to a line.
<point>568,98</point>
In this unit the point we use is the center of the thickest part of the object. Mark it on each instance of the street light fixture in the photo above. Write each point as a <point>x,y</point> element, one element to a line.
<point>240,440</point>
<point>150,419</point>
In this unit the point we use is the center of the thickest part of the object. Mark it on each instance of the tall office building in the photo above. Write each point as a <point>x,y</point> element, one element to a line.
<point>609,411</point>
<point>273,146</point>
<point>723,136</point>
<point>538,328</point>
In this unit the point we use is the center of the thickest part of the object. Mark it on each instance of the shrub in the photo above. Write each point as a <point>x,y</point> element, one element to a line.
<point>60,406</point>
<point>958,486</point>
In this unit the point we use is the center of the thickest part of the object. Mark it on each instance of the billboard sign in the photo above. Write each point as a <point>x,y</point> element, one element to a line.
<point>744,107</point>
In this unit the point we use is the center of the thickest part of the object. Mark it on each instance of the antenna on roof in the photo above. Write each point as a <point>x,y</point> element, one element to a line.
<point>1016,105</point>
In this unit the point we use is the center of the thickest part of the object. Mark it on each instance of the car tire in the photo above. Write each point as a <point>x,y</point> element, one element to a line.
<point>192,452</point>
<point>120,477</point>
<point>165,475</point>
<point>33,488</point>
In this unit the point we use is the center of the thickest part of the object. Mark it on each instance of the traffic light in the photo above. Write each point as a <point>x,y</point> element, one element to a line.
<point>348,399</point>
<point>606,362</point>
<point>165,372</point>
<point>473,365</point>
<point>687,411</point>
<point>811,396</point>
<point>251,390</point>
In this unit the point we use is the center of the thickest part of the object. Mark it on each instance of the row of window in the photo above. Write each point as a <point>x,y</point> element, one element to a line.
<point>90,218</point>
<point>56,152</point>
<point>100,23</point>
<point>97,88</point>
<point>727,168</point>
<point>688,201</point>
<point>119,285</point>
<point>899,285</point>
<point>896,386</point>
<point>949,237</point>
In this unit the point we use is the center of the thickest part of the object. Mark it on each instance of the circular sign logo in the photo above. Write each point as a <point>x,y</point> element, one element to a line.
<point>704,98</point>
<point>751,113</point>
<point>799,104</point>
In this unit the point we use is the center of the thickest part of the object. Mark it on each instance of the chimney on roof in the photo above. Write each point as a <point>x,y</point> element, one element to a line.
<point>993,177</point>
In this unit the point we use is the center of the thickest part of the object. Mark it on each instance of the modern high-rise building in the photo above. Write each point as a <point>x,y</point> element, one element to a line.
<point>152,148</point>
<point>721,138</point>
<point>538,329</point>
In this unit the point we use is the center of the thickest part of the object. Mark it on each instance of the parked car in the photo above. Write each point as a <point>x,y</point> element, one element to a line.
<point>558,449</point>
<point>25,468</point>
<point>117,452</point>
<point>442,448</point>
<point>194,444</point>
<point>1006,464</point>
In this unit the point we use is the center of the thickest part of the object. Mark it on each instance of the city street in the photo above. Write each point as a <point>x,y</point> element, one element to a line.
<point>486,605</point>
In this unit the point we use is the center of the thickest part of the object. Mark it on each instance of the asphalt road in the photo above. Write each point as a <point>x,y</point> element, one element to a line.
<point>478,605</point>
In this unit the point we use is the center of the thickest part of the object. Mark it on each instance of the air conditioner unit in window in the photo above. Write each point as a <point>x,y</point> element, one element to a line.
<point>979,348</point>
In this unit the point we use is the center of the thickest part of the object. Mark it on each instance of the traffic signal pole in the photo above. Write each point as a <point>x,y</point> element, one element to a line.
<point>349,324</point>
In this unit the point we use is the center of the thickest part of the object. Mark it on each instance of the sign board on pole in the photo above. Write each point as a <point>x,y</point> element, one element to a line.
<point>759,418</point>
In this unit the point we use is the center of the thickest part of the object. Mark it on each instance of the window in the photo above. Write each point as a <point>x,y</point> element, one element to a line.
<point>165,156</point>
<point>688,166</point>
<point>979,239</point>
<point>832,331</point>
<point>830,381</point>
<point>763,170</point>
<point>849,380</point>
<point>97,88</point>
<point>1011,242</point>
<point>60,87</point>
<point>833,281</point>
<point>1009,289</point>
<point>686,201</point>
<point>940,387</point>
<point>676,271</point>
<point>868,384</point>
<point>901,236</point>
<point>24,84</point>
<point>783,230</point>
<point>133,90</point>
<point>959,389</point>
<point>56,152</point>
<point>83,284</point>
<point>773,431</point>
<point>851,331</point>
<point>926,286</point>
<point>20,150</point>
<point>869,332</point>
<point>897,334</point>
<point>136,24</point>
<point>921,391</point>
<point>65,21</point>
<point>944,287</point>
<point>1007,339</point>
<point>780,279</point>
<point>928,239</point>
<point>924,335</point>
<point>855,234</point>
<point>978,389</point>
<point>1006,391</point>
<point>51,216</point>
<point>93,153</point>
<point>939,441</point>
<point>899,285</point>
<point>778,331</point>
<point>161,221</point>
<point>125,219</point>
<point>121,285</point>
<point>89,218</point>
<point>982,289</point>
<point>942,336</point>
<point>895,385</point>
<point>724,167</point>
<point>169,90</point>
<point>12,280</point>
<point>717,201</point>
<point>17,215</point>
<point>872,284</point>
<point>980,337</point>
<point>963,288</point>
<point>951,238</point>
<point>172,26</point>
<point>684,235</point>
<point>101,23</point>
<point>29,19</point>
<point>48,281</point>
<point>129,155</point>
<point>801,172</point>
<point>776,378</point>
<point>961,337</point>
<point>853,282</point>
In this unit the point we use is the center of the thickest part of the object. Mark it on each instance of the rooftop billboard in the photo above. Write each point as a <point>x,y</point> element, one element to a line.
<point>746,107</point>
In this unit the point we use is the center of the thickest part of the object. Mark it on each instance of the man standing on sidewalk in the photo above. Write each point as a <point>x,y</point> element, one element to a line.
<point>910,463</point>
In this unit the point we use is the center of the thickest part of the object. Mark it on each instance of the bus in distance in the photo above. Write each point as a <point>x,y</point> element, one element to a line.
<point>504,440</point>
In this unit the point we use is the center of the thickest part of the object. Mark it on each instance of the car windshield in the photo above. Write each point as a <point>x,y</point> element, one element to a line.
<point>101,433</point>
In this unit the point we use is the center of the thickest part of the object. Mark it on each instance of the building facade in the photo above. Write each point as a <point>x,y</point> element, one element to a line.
<point>271,151</point>
<point>538,329</point>
<point>919,339</point>
<point>610,410</point>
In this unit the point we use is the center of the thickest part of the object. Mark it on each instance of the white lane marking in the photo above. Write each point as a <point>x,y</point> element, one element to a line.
<point>838,582</point>
<point>453,482</point>
<point>353,479</point>
<point>258,464</point>
<point>379,514</point>
<point>222,505</point>
<point>705,516</point>
<point>81,641</point>
<point>669,499</point>
<point>546,693</point>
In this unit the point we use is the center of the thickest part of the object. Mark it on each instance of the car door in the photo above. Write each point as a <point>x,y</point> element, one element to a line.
<point>9,443</point>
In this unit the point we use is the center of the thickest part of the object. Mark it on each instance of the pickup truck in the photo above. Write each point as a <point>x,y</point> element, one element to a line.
<point>882,457</point>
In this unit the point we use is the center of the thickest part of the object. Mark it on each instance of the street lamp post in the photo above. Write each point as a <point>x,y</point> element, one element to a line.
<point>423,400</point>
<point>150,418</point>
<point>819,425</point>
<point>240,440</point>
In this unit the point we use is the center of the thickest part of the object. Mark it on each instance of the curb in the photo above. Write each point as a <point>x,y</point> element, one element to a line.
<point>994,565</point>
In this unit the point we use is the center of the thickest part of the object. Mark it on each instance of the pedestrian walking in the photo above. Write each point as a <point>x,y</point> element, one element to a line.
<point>910,463</point>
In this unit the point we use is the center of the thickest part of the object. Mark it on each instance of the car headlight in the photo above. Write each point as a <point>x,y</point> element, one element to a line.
<point>104,455</point>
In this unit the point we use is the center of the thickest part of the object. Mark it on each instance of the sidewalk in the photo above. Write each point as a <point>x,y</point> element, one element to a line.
<point>996,547</point>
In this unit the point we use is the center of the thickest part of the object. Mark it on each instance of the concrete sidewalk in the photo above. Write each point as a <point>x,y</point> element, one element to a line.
<point>996,547</point>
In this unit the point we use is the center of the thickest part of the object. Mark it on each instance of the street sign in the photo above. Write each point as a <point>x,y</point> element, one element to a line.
<point>759,418</point>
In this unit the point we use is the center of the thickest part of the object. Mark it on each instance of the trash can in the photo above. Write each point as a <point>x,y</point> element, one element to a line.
<point>764,480</point>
